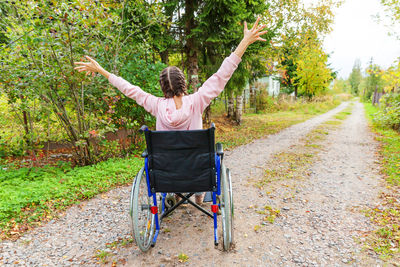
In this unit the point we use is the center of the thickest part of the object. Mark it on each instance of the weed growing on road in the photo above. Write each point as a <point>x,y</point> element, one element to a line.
<point>121,242</point>
<point>270,213</point>
<point>102,256</point>
<point>182,257</point>
<point>106,255</point>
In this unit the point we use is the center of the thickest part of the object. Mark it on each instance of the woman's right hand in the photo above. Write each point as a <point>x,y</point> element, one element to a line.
<point>250,36</point>
<point>91,67</point>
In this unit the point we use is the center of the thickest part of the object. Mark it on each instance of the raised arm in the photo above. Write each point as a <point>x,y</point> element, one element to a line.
<point>148,101</point>
<point>216,83</point>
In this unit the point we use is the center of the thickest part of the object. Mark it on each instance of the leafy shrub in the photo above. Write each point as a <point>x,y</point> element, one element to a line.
<point>389,114</point>
<point>27,194</point>
<point>264,102</point>
<point>11,145</point>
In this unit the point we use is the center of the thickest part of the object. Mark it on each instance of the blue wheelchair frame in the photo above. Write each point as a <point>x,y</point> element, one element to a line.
<point>165,212</point>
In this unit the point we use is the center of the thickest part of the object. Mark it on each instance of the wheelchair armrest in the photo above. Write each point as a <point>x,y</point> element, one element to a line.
<point>143,129</point>
<point>219,149</point>
<point>145,153</point>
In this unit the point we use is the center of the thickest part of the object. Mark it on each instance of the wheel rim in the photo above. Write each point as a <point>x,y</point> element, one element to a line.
<point>142,218</point>
<point>231,203</point>
<point>225,209</point>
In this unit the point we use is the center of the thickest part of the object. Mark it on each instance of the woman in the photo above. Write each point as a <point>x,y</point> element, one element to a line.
<point>177,110</point>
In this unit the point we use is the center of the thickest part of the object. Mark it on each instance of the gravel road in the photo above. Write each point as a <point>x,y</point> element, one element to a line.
<point>319,225</point>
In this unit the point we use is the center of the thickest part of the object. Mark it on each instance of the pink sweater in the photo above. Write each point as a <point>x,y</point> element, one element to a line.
<point>189,116</point>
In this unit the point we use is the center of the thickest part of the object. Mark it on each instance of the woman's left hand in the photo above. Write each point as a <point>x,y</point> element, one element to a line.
<point>91,67</point>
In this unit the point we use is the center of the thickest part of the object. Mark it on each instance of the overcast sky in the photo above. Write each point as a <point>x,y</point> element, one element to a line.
<point>356,34</point>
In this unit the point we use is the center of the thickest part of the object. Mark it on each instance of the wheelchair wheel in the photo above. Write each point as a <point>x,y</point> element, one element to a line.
<point>226,209</point>
<point>142,218</point>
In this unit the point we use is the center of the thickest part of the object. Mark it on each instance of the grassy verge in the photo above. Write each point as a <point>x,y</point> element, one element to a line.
<point>30,196</point>
<point>386,240</point>
<point>255,126</point>
<point>390,149</point>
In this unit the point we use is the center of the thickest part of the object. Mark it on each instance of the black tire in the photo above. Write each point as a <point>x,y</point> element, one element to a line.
<point>143,225</point>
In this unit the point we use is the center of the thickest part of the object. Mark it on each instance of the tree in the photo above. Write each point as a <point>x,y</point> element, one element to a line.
<point>355,77</point>
<point>37,66</point>
<point>392,9</point>
<point>300,27</point>
<point>312,73</point>
<point>374,81</point>
<point>391,77</point>
<point>341,86</point>
<point>206,31</point>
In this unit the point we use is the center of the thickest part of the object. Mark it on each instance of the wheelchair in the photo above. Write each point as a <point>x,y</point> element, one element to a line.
<point>181,163</point>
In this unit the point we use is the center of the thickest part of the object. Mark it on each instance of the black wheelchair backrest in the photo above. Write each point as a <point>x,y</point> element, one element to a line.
<point>181,161</point>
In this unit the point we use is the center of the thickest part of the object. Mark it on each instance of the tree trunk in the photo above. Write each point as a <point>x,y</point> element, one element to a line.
<point>252,97</point>
<point>231,106</point>
<point>164,57</point>
<point>191,49</point>
<point>239,108</point>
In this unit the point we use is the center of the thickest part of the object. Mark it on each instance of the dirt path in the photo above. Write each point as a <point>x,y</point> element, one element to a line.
<point>318,224</point>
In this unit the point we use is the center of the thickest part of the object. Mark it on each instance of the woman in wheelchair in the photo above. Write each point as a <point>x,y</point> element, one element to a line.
<point>178,110</point>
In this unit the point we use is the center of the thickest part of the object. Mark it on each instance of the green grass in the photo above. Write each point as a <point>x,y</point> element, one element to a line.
<point>390,150</point>
<point>386,239</point>
<point>29,196</point>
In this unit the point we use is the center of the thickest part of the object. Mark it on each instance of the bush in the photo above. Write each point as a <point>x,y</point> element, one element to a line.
<point>29,194</point>
<point>389,114</point>
<point>264,102</point>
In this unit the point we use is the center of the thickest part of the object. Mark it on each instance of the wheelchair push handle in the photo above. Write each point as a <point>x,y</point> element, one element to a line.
<point>143,129</point>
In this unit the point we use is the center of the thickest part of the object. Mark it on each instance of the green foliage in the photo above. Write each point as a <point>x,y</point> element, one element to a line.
<point>391,77</point>
<point>340,86</point>
<point>47,37</point>
<point>312,73</point>
<point>302,27</point>
<point>28,194</point>
<point>264,102</point>
<point>389,114</point>
<point>392,9</point>
<point>390,150</point>
<point>373,81</point>
<point>386,239</point>
<point>43,91</point>
<point>219,29</point>
<point>355,77</point>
